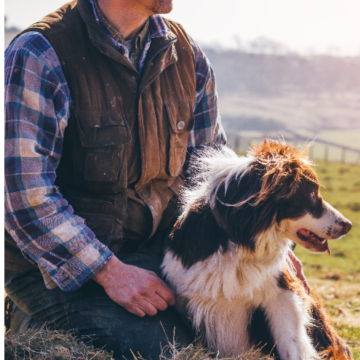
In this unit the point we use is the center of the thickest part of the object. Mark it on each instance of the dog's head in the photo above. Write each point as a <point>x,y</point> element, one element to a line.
<point>273,186</point>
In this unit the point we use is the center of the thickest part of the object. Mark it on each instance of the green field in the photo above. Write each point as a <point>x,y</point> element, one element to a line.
<point>336,278</point>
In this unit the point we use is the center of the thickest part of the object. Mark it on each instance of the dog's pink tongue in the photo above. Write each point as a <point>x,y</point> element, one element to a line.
<point>328,247</point>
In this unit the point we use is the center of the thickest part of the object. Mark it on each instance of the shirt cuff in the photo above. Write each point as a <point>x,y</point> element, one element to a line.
<point>78,269</point>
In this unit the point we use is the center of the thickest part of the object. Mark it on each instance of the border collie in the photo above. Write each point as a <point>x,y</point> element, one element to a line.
<point>227,256</point>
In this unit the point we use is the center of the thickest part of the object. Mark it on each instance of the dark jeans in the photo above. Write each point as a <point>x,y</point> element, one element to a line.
<point>91,312</point>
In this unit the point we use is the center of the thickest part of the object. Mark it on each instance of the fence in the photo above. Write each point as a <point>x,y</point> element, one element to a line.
<point>319,149</point>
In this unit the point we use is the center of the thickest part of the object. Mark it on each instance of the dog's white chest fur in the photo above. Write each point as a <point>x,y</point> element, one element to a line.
<point>221,293</point>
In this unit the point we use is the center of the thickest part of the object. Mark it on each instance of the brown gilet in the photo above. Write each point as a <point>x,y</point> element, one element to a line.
<point>119,117</point>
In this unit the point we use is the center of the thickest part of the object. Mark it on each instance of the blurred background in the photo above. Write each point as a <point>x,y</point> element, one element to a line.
<point>286,68</point>
<point>291,69</point>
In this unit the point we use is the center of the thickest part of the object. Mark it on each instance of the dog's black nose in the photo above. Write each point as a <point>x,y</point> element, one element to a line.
<point>347,226</point>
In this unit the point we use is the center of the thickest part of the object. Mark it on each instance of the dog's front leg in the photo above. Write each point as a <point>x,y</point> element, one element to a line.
<point>327,342</point>
<point>288,320</point>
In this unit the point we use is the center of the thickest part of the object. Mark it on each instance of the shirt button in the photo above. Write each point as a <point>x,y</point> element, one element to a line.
<point>180,125</point>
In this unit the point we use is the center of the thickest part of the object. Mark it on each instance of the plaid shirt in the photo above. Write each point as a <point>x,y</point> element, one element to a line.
<point>38,105</point>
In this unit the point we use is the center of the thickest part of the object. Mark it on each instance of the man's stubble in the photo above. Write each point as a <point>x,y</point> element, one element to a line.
<point>161,6</point>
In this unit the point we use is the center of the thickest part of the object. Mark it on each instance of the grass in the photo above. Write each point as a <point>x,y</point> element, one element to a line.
<point>45,344</point>
<point>336,278</point>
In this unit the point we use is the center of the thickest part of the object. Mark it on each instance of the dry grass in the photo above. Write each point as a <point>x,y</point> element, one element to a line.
<point>341,299</point>
<point>197,352</point>
<point>340,295</point>
<point>45,344</point>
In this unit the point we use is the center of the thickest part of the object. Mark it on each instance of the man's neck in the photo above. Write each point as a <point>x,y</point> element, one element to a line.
<point>126,16</point>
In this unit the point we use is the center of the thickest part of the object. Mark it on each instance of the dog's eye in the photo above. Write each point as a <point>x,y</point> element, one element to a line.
<point>313,194</point>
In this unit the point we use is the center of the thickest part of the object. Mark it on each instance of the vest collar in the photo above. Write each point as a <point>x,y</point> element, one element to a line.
<point>160,47</point>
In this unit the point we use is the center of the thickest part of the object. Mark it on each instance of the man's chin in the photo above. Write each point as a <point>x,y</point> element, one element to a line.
<point>162,6</point>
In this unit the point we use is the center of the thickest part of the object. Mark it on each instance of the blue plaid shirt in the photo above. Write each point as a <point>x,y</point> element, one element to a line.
<point>38,105</point>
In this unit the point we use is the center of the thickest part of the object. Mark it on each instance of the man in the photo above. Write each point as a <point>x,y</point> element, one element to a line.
<point>105,101</point>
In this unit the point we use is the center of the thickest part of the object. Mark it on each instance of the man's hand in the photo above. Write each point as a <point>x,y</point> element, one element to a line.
<point>137,290</point>
<point>299,270</point>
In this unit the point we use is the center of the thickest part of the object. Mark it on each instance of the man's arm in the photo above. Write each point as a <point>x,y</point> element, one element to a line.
<point>38,106</point>
<point>298,267</point>
<point>207,130</point>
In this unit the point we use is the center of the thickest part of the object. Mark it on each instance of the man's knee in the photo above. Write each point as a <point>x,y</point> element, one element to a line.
<point>20,322</point>
<point>126,333</point>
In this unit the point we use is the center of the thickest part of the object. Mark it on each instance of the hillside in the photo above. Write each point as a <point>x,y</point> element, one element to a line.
<point>275,92</point>
<point>279,75</point>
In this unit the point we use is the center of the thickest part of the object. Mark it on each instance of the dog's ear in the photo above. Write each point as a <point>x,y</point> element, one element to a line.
<point>197,236</point>
<point>236,209</point>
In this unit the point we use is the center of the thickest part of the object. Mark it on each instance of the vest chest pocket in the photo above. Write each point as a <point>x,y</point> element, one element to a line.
<point>181,121</point>
<point>103,138</point>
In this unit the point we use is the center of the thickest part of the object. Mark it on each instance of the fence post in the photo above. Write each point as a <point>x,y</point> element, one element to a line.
<point>311,152</point>
<point>326,154</point>
<point>237,143</point>
<point>343,155</point>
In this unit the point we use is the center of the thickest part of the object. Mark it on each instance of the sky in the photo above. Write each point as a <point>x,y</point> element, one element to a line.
<point>306,26</point>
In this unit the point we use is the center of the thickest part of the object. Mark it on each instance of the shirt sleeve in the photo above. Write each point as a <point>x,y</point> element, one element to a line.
<point>207,130</point>
<point>43,224</point>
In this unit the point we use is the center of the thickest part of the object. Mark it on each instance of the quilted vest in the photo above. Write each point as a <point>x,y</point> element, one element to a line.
<point>109,99</point>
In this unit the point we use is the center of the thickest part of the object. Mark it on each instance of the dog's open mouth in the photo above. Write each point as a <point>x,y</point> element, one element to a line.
<point>306,235</point>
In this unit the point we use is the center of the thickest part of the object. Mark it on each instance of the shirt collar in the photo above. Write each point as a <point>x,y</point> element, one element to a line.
<point>157,27</point>
<point>102,21</point>
<point>142,35</point>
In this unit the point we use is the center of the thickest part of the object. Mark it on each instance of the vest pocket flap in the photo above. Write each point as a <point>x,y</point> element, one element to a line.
<point>181,116</point>
<point>96,130</point>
